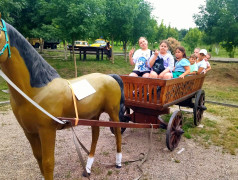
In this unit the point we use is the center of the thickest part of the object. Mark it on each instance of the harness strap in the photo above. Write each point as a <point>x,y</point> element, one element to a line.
<point>76,143</point>
<point>75,105</point>
<point>29,99</point>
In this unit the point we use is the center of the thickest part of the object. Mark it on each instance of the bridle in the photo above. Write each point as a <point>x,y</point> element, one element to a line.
<point>4,28</point>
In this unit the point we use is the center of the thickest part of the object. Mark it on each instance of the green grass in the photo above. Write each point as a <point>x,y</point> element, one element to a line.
<point>221,130</point>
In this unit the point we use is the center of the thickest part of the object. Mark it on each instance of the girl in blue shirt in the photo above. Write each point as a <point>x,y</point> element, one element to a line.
<point>181,68</point>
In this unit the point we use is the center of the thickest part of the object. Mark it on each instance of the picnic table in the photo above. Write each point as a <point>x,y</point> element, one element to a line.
<point>98,51</point>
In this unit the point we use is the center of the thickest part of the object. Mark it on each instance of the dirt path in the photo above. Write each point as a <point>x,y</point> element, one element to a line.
<point>195,162</point>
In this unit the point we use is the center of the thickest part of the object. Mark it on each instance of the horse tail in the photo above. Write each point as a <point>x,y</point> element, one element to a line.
<point>122,102</point>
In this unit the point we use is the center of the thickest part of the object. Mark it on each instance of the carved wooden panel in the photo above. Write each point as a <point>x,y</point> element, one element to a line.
<point>145,92</point>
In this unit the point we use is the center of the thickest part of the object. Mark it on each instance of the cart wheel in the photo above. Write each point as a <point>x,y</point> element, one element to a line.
<point>125,119</point>
<point>174,130</point>
<point>199,107</point>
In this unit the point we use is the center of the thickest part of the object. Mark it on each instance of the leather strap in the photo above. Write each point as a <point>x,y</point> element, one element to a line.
<point>76,143</point>
<point>75,104</point>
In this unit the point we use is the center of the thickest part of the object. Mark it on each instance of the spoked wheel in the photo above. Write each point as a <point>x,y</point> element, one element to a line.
<point>199,107</point>
<point>124,119</point>
<point>174,130</point>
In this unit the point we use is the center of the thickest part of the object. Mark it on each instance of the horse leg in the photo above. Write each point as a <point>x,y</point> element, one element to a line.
<point>95,135</point>
<point>47,138</point>
<point>117,130</point>
<point>34,140</point>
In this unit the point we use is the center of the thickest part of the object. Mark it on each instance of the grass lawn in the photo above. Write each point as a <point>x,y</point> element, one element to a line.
<point>221,84</point>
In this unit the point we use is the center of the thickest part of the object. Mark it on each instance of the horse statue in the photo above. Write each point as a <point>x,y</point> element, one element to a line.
<point>38,80</point>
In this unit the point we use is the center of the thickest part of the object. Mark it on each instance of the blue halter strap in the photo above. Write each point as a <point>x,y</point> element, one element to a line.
<point>4,28</point>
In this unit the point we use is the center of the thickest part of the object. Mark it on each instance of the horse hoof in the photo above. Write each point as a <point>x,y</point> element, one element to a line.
<point>118,167</point>
<point>85,174</point>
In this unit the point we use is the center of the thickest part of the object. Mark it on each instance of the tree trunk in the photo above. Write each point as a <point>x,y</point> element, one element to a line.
<point>65,51</point>
<point>41,45</point>
<point>124,49</point>
<point>112,51</point>
<point>74,58</point>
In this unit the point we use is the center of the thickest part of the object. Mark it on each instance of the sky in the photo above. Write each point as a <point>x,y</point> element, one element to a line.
<point>176,13</point>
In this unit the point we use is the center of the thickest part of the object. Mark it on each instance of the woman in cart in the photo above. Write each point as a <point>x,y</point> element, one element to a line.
<point>140,59</point>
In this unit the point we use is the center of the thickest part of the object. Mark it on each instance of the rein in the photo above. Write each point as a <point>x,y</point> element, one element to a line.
<point>29,99</point>
<point>4,28</point>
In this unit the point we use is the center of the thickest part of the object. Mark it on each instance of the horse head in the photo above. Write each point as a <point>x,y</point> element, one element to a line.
<point>4,42</point>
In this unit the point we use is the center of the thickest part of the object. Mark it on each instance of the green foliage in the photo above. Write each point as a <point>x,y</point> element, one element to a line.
<point>162,32</point>
<point>3,86</point>
<point>192,38</point>
<point>220,23</point>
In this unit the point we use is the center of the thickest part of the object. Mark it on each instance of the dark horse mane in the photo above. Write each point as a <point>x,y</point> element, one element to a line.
<point>41,73</point>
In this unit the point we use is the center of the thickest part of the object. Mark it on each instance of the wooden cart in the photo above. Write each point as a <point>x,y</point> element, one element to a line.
<point>148,98</point>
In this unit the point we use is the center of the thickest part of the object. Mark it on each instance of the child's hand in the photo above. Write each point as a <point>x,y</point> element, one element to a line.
<point>156,53</point>
<point>131,51</point>
<point>181,76</point>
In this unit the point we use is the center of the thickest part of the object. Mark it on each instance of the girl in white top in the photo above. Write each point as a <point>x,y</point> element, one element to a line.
<point>168,60</point>
<point>208,56</point>
<point>201,63</point>
<point>140,59</point>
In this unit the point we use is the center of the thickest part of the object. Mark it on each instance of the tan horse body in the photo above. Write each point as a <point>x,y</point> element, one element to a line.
<point>55,96</point>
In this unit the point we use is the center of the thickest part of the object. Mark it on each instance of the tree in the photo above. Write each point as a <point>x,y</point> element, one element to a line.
<point>219,20</point>
<point>75,19</point>
<point>152,32</point>
<point>11,9</point>
<point>162,32</point>
<point>122,20</point>
<point>143,24</point>
<point>172,32</point>
<point>23,15</point>
<point>192,38</point>
<point>182,34</point>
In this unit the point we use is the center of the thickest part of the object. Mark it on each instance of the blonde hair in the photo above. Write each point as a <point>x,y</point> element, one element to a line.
<point>193,56</point>
<point>143,38</point>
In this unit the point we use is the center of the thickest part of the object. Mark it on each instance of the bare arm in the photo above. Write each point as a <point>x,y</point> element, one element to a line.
<point>193,73</point>
<point>153,58</point>
<point>187,70</point>
<point>200,70</point>
<point>131,56</point>
<point>171,63</point>
<point>209,68</point>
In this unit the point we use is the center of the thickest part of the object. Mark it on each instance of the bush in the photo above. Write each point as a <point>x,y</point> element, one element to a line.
<point>173,43</point>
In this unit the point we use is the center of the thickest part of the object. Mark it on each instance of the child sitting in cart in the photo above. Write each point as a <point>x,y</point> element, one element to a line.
<point>208,56</point>
<point>161,62</point>
<point>201,63</point>
<point>193,65</point>
<point>140,58</point>
<point>181,68</point>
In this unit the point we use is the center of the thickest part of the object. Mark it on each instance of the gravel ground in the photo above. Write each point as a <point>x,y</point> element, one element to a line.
<point>194,162</point>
